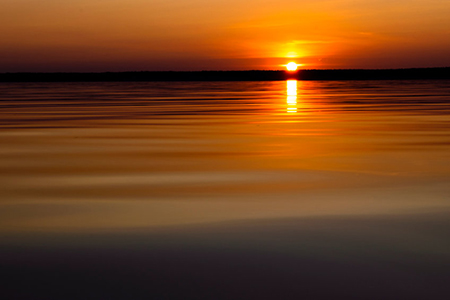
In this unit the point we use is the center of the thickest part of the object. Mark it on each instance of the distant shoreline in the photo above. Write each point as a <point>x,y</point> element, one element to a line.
<point>252,75</point>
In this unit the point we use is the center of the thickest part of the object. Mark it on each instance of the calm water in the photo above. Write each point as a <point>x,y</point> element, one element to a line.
<point>96,155</point>
<point>271,177</point>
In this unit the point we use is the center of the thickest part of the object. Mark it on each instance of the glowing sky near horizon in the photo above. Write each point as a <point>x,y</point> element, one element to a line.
<point>119,35</point>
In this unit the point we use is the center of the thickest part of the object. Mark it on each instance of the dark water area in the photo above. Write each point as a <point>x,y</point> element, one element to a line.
<point>383,257</point>
<point>225,190</point>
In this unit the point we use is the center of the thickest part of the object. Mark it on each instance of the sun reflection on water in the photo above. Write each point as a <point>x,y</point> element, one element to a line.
<point>291,98</point>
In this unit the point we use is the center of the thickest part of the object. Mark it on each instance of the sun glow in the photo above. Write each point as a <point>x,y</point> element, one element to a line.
<point>292,66</point>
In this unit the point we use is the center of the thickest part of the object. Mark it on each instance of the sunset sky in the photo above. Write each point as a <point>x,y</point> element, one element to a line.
<point>135,35</point>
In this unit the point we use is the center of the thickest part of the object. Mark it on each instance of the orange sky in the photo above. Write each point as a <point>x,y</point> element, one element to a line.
<point>134,35</point>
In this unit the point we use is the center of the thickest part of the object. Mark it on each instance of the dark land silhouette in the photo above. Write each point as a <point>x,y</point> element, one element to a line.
<point>252,75</point>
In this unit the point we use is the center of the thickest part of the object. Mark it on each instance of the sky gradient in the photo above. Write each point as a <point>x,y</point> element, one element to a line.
<point>140,35</point>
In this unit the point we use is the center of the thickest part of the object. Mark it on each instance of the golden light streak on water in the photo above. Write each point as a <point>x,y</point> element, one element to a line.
<point>291,98</point>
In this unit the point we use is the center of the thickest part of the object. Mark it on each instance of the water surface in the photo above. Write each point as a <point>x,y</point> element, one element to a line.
<point>202,182</point>
<point>96,155</point>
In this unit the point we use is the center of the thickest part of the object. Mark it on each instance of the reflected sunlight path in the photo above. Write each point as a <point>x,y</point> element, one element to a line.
<point>291,99</point>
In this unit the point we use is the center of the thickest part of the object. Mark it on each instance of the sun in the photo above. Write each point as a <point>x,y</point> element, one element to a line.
<point>292,66</point>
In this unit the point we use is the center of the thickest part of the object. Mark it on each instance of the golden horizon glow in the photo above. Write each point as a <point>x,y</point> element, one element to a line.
<point>99,35</point>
